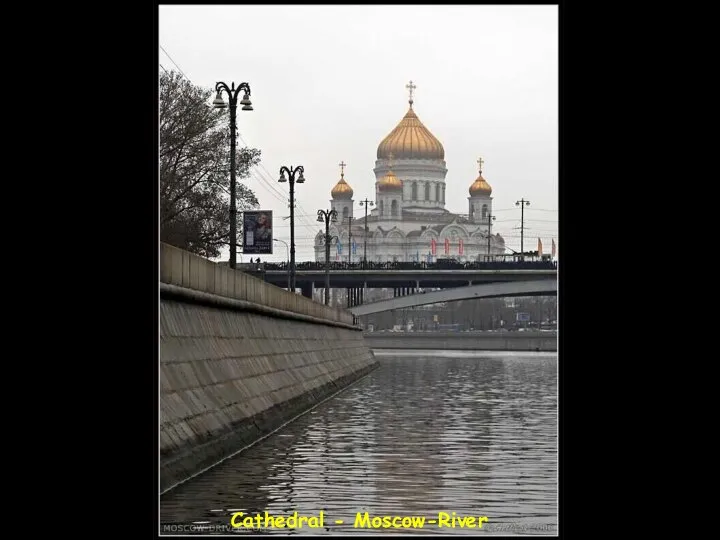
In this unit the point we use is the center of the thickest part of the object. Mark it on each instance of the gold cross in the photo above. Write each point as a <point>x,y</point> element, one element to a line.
<point>342,169</point>
<point>480,163</point>
<point>411,87</point>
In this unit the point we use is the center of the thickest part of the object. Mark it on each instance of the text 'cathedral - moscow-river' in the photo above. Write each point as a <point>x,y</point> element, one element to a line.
<point>409,221</point>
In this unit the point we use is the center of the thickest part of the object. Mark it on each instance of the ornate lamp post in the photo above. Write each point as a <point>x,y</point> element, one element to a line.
<point>327,216</point>
<point>219,103</point>
<point>365,203</point>
<point>291,172</point>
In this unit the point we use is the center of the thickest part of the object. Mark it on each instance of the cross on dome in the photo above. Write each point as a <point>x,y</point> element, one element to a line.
<point>411,87</point>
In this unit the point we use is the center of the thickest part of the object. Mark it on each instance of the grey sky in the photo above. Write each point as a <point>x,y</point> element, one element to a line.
<point>328,84</point>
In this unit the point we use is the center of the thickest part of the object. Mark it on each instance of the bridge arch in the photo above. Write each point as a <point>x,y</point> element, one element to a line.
<point>486,290</point>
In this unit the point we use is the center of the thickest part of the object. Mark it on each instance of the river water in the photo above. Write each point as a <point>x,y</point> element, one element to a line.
<point>473,433</point>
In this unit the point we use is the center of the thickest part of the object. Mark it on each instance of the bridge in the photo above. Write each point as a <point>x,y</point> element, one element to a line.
<point>533,287</point>
<point>410,276</point>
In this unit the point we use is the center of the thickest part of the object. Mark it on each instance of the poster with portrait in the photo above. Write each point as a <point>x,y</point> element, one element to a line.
<point>257,232</point>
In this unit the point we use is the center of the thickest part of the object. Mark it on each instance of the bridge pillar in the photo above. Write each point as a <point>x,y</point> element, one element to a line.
<point>417,284</point>
<point>307,290</point>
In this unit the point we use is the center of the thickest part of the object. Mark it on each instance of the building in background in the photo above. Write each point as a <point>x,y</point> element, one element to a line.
<point>409,221</point>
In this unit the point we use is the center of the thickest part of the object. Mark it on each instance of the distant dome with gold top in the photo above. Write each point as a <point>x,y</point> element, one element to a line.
<point>390,182</point>
<point>411,139</point>
<point>480,185</point>
<point>342,189</point>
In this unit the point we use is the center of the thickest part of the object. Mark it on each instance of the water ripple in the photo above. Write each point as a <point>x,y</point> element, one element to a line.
<point>472,435</point>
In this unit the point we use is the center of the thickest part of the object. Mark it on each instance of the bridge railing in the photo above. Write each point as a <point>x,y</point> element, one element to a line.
<point>440,265</point>
<point>187,270</point>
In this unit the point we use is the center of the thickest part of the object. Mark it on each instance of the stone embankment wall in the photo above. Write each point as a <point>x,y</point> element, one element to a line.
<point>240,357</point>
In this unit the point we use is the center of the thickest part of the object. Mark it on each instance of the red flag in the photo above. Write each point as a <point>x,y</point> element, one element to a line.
<point>447,246</point>
<point>433,246</point>
<point>539,247</point>
<point>460,247</point>
<point>553,247</point>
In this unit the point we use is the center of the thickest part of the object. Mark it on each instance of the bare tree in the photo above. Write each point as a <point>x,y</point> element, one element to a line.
<point>195,169</point>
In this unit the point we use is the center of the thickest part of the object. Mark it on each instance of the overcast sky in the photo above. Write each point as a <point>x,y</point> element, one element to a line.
<point>328,84</point>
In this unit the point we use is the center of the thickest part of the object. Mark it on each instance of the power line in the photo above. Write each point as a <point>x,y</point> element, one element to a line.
<point>173,61</point>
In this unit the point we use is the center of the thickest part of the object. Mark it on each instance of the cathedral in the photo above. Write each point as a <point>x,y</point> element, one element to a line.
<point>408,221</point>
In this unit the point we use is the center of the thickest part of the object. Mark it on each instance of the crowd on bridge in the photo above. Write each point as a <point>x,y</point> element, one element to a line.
<point>439,265</point>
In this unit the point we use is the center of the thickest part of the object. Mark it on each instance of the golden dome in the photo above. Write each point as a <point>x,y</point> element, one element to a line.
<point>411,140</point>
<point>480,186</point>
<point>342,189</point>
<point>389,182</point>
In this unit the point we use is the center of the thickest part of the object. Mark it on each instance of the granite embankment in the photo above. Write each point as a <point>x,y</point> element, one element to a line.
<point>464,341</point>
<point>239,358</point>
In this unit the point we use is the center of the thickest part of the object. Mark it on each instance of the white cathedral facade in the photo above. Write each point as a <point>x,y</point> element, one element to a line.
<point>408,221</point>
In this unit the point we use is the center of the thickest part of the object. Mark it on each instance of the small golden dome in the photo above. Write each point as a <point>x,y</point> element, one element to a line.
<point>389,182</point>
<point>342,189</point>
<point>480,187</point>
<point>411,140</point>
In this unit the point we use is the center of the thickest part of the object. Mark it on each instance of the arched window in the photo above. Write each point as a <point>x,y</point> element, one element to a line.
<point>427,191</point>
<point>414,191</point>
<point>382,208</point>
<point>394,208</point>
<point>472,211</point>
<point>346,212</point>
<point>437,192</point>
<point>484,211</point>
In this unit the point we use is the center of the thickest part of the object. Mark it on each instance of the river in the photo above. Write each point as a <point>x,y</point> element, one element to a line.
<point>473,433</point>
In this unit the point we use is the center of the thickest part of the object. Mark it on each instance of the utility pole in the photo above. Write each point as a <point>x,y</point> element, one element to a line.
<point>522,203</point>
<point>350,239</point>
<point>490,220</point>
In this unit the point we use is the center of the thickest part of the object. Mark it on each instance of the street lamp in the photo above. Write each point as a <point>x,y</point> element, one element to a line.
<point>522,203</point>
<point>219,103</point>
<point>291,172</point>
<point>365,203</point>
<point>327,216</point>
<point>288,257</point>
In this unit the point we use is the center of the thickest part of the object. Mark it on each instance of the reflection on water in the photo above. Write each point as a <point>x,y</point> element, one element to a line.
<point>470,434</point>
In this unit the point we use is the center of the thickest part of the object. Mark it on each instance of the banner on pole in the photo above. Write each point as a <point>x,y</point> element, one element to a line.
<point>257,232</point>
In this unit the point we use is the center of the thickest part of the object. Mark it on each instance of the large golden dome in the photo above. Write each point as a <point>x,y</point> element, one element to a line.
<point>342,189</point>
<point>389,182</point>
<point>411,140</point>
<point>480,187</point>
